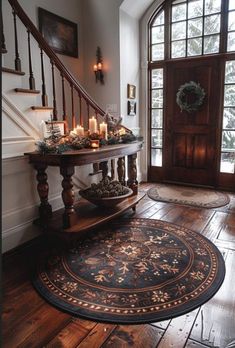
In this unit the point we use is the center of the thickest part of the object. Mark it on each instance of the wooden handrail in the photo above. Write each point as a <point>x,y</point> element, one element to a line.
<point>53,57</point>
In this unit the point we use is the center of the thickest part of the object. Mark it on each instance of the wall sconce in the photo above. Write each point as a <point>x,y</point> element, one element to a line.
<point>99,76</point>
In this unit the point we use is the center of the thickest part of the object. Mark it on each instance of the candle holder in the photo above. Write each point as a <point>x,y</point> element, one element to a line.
<point>95,144</point>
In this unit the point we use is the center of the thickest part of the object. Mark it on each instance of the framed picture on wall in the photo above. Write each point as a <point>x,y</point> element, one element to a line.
<point>131,91</point>
<point>131,108</point>
<point>60,33</point>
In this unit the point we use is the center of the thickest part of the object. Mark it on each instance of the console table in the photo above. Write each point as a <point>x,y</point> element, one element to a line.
<point>82,215</point>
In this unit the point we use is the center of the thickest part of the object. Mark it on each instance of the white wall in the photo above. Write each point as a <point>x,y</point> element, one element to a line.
<point>101,25</point>
<point>129,65</point>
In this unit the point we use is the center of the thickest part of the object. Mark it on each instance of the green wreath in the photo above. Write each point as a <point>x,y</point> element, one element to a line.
<point>190,96</point>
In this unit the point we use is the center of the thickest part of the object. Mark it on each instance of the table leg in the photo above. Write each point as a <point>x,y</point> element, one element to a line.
<point>121,170</point>
<point>132,173</point>
<point>104,168</point>
<point>45,209</point>
<point>112,169</point>
<point>69,216</point>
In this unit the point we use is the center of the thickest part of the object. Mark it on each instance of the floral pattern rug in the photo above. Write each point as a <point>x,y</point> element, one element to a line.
<point>132,271</point>
<point>194,196</point>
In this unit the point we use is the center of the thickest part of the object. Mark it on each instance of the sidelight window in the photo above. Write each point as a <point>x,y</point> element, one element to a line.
<point>227,163</point>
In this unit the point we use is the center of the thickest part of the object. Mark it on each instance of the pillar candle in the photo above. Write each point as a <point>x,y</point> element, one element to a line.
<point>104,130</point>
<point>92,125</point>
<point>80,131</point>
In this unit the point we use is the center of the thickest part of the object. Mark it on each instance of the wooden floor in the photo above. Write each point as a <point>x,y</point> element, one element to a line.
<point>28,321</point>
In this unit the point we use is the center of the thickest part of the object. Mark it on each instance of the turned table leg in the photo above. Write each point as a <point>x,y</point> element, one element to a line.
<point>112,169</point>
<point>69,216</point>
<point>132,173</point>
<point>95,168</point>
<point>104,168</point>
<point>45,209</point>
<point>121,170</point>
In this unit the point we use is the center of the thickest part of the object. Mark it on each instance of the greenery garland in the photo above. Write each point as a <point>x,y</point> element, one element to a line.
<point>190,96</point>
<point>60,144</point>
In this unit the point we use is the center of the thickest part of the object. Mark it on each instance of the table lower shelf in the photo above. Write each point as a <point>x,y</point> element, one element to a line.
<point>89,216</point>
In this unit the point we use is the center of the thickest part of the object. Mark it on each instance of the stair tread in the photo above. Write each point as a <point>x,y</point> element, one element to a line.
<point>26,90</point>
<point>41,107</point>
<point>13,71</point>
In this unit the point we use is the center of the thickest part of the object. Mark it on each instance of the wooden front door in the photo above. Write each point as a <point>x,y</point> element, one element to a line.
<point>190,138</point>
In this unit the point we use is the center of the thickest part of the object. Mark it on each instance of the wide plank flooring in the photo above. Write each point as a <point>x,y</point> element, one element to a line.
<point>29,321</point>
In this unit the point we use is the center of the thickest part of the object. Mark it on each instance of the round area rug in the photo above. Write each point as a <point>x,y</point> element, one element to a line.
<point>133,271</point>
<point>188,195</point>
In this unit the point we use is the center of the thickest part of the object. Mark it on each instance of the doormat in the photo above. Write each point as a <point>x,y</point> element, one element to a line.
<point>197,197</point>
<point>132,271</point>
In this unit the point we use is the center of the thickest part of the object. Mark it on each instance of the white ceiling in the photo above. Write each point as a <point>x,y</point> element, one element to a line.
<point>135,8</point>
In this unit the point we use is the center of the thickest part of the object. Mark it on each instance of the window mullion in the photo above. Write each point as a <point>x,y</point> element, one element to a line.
<point>224,26</point>
<point>186,39</point>
<point>203,26</point>
<point>167,31</point>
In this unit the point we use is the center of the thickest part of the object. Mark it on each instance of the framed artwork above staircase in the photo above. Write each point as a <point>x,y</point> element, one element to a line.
<point>60,33</point>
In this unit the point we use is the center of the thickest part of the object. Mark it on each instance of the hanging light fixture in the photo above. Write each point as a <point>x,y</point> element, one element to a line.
<point>99,76</point>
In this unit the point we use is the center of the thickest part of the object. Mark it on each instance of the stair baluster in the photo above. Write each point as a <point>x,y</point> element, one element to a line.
<point>54,93</point>
<point>88,110</point>
<point>73,113</point>
<point>80,109</point>
<point>65,118</point>
<point>44,95</point>
<point>31,77</point>
<point>17,56</point>
<point>4,50</point>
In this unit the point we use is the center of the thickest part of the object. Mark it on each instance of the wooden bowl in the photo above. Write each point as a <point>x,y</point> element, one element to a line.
<point>108,202</point>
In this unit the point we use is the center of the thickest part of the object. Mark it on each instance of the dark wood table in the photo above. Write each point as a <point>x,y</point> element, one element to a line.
<point>82,215</point>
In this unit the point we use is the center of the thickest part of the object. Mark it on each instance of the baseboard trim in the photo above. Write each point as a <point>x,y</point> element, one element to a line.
<point>32,243</point>
<point>19,235</point>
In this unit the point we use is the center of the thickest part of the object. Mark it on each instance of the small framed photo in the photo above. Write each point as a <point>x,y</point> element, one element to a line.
<point>57,127</point>
<point>131,91</point>
<point>131,108</point>
<point>60,33</point>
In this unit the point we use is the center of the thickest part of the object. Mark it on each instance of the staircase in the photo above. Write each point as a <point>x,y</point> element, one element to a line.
<point>36,87</point>
<point>61,97</point>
